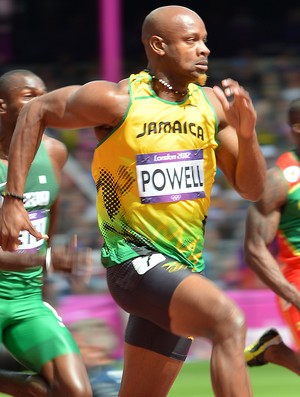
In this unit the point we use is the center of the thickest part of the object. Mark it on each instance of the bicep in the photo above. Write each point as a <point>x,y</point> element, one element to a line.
<point>227,153</point>
<point>275,192</point>
<point>261,228</point>
<point>263,217</point>
<point>90,105</point>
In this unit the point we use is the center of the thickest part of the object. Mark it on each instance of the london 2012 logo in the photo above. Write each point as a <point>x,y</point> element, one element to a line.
<point>170,176</point>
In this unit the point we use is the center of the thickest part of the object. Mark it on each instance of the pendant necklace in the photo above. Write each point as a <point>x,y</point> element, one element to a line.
<point>167,85</point>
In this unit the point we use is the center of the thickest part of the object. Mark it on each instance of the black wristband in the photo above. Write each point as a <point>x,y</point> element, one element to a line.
<point>12,195</point>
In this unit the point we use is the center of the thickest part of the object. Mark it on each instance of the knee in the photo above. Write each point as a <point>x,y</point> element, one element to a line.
<point>79,389</point>
<point>38,387</point>
<point>82,391</point>
<point>233,323</point>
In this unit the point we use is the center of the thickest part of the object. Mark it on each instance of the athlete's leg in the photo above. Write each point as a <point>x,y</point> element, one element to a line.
<point>66,376</point>
<point>292,317</point>
<point>289,312</point>
<point>153,358</point>
<point>60,377</point>
<point>284,356</point>
<point>43,344</point>
<point>199,308</point>
<point>13,377</point>
<point>270,348</point>
<point>147,373</point>
<point>7,361</point>
<point>280,353</point>
<point>21,384</point>
<point>150,350</point>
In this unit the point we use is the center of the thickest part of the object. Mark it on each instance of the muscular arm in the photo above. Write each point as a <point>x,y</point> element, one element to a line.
<point>261,226</point>
<point>98,103</point>
<point>239,155</point>
<point>65,259</point>
<point>93,104</point>
<point>58,155</point>
<point>14,261</point>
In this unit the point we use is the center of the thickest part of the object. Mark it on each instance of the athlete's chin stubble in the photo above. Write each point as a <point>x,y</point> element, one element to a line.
<point>202,79</point>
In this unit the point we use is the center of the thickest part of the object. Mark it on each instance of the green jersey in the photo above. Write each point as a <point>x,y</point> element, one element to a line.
<point>40,192</point>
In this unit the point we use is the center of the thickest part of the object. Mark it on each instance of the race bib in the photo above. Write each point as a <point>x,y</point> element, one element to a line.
<point>170,176</point>
<point>28,242</point>
<point>37,199</point>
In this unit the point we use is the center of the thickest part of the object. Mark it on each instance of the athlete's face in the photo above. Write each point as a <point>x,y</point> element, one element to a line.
<point>185,47</point>
<point>22,90</point>
<point>295,127</point>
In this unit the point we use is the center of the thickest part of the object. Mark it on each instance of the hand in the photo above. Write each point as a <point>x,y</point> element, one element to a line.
<point>13,219</point>
<point>77,262</point>
<point>238,107</point>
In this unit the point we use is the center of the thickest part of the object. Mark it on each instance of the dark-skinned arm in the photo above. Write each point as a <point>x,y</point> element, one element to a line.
<point>93,104</point>
<point>65,259</point>
<point>29,130</point>
<point>239,155</point>
<point>261,227</point>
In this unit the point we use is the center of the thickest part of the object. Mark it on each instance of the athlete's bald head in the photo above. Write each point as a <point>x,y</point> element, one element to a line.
<point>8,79</point>
<point>174,39</point>
<point>18,79</point>
<point>164,20</point>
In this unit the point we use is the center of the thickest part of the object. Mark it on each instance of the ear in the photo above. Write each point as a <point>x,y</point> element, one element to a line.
<point>157,45</point>
<point>2,106</point>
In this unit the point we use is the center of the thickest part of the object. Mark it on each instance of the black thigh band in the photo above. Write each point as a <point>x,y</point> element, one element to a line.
<point>145,334</point>
<point>144,287</point>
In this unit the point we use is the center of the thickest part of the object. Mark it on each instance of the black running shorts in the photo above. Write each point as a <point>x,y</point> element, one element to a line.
<point>143,287</point>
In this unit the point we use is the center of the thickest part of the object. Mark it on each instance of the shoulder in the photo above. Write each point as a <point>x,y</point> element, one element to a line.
<point>209,93</point>
<point>274,175</point>
<point>99,88</point>
<point>104,102</point>
<point>216,104</point>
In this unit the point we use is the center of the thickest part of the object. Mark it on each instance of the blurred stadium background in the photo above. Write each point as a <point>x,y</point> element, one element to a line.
<point>70,42</point>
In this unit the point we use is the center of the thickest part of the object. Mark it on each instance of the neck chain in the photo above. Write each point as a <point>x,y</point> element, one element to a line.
<point>167,85</point>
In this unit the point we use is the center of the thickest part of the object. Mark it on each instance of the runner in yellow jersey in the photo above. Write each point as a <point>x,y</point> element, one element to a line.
<point>160,139</point>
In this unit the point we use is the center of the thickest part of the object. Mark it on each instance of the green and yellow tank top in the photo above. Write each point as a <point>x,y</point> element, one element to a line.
<point>40,192</point>
<point>289,226</point>
<point>154,174</point>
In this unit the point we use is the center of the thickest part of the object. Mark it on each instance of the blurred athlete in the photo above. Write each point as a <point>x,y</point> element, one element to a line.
<point>161,136</point>
<point>65,259</point>
<point>30,329</point>
<point>277,215</point>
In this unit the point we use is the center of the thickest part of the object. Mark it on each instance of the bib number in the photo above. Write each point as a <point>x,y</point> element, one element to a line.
<point>39,221</point>
<point>170,176</point>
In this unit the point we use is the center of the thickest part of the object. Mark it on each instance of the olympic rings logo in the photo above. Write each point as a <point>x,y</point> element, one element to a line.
<point>176,197</point>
